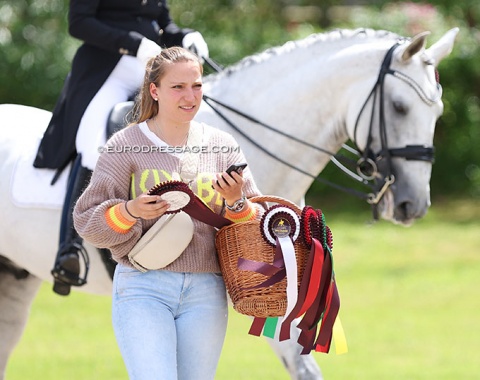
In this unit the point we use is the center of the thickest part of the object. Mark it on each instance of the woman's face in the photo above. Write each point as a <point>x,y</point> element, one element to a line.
<point>180,93</point>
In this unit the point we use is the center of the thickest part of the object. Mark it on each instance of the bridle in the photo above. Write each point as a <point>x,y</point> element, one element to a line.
<point>370,166</point>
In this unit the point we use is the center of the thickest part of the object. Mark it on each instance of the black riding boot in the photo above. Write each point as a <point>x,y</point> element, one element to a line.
<point>66,271</point>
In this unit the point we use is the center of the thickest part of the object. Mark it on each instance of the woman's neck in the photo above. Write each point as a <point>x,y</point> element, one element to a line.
<point>173,135</point>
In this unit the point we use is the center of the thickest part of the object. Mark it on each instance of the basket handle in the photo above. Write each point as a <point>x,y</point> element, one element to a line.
<point>276,199</point>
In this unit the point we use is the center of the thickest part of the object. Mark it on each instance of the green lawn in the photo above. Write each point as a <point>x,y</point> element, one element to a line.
<point>410,304</point>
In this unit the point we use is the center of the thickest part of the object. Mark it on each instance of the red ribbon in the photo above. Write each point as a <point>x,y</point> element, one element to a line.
<point>309,288</point>
<point>325,308</point>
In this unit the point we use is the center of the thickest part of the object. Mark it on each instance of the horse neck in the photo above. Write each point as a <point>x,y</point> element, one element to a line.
<point>304,92</point>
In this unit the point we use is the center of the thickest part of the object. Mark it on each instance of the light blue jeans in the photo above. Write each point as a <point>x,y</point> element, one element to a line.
<point>169,325</point>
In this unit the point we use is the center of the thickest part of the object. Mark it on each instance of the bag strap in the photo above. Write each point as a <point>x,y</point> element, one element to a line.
<point>189,161</point>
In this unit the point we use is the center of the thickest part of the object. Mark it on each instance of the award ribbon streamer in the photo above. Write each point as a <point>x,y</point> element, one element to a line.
<point>288,251</point>
<point>341,346</point>
<point>309,288</point>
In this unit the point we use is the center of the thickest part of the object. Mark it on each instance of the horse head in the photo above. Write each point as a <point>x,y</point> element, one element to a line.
<point>395,127</point>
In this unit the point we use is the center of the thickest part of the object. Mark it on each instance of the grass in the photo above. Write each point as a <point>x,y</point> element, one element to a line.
<point>409,309</point>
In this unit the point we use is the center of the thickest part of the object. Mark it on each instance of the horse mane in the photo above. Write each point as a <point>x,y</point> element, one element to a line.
<point>334,35</point>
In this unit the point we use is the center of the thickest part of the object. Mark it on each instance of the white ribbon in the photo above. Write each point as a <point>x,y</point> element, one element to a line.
<point>290,260</point>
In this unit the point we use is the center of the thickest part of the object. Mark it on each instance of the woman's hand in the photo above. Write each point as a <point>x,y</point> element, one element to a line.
<point>146,207</point>
<point>229,186</point>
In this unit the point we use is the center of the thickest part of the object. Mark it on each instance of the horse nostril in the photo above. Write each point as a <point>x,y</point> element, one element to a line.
<point>404,211</point>
<point>409,211</point>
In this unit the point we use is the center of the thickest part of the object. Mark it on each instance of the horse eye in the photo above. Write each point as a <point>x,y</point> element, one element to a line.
<point>400,107</point>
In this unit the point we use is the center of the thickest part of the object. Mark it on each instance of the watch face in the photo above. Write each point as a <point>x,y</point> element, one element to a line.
<point>237,206</point>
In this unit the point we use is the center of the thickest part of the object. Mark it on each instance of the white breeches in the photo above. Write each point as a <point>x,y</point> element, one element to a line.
<point>125,79</point>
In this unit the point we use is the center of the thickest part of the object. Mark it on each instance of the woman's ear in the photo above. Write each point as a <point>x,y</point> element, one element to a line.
<point>153,91</point>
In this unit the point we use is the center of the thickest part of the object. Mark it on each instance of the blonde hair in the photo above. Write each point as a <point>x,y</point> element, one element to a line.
<point>145,107</point>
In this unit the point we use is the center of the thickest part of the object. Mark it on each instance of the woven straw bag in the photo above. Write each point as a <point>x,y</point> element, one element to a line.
<point>244,240</point>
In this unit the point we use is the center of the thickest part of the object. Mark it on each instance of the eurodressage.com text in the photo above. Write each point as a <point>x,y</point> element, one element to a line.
<point>167,149</point>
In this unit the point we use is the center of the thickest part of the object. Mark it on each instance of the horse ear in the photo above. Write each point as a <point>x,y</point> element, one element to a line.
<point>443,47</point>
<point>415,45</point>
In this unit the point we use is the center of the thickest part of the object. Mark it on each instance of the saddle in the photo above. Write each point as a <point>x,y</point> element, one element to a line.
<point>118,119</point>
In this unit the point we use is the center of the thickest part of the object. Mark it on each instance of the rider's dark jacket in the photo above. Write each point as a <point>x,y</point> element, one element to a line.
<point>109,29</point>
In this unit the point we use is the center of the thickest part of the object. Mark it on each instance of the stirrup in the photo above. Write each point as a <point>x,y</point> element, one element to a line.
<point>67,274</point>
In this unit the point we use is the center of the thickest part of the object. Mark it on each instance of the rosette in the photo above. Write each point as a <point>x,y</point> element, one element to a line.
<point>325,234</point>
<point>310,225</point>
<point>176,193</point>
<point>181,198</point>
<point>279,221</point>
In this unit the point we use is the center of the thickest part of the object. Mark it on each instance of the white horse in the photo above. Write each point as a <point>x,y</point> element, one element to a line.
<point>374,88</point>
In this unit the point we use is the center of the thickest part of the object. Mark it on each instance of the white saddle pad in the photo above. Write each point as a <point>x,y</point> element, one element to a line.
<point>31,187</point>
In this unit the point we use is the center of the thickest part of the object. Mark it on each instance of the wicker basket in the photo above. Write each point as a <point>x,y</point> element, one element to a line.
<point>245,240</point>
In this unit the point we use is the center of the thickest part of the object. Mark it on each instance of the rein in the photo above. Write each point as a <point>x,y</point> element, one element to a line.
<point>367,166</point>
<point>210,102</point>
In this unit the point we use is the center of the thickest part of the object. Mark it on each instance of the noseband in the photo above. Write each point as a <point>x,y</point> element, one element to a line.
<point>367,166</point>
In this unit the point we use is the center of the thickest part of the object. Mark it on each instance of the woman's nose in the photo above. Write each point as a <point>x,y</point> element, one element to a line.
<point>191,93</point>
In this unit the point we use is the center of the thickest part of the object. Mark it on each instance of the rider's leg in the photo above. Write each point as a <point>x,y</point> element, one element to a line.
<point>124,81</point>
<point>67,264</point>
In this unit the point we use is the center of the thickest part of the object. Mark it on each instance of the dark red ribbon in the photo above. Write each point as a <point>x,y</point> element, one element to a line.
<point>309,287</point>
<point>257,326</point>
<point>276,271</point>
<point>324,338</point>
<point>200,211</point>
<point>312,317</point>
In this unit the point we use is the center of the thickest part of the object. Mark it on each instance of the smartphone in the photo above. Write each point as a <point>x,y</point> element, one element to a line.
<point>237,168</point>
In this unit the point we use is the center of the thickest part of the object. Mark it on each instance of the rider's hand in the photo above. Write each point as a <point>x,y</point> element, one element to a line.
<point>194,42</point>
<point>147,49</point>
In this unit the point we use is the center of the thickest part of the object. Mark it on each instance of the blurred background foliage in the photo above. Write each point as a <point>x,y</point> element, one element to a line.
<point>36,51</point>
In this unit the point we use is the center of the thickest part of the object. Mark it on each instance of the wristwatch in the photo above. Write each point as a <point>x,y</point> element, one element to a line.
<point>238,205</point>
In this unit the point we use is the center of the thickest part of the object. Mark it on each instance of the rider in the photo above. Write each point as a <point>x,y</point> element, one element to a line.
<point>118,36</point>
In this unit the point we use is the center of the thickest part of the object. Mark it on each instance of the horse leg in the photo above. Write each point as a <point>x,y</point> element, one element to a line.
<point>300,367</point>
<point>16,297</point>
